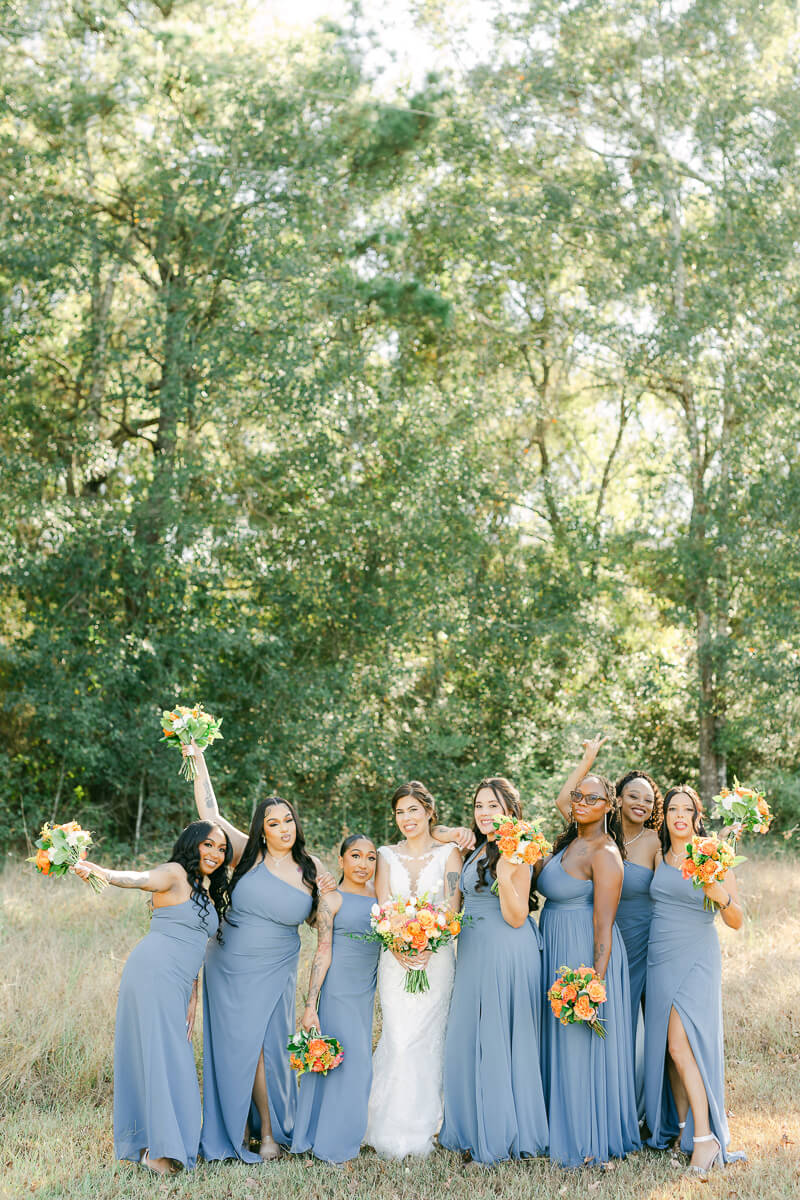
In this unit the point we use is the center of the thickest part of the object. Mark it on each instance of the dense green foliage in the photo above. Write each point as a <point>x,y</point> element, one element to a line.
<point>414,436</point>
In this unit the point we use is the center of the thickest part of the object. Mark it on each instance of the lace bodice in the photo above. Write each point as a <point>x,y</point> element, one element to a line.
<point>414,876</point>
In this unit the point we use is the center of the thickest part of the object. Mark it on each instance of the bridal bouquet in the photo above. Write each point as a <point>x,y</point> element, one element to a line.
<point>708,860</point>
<point>182,724</point>
<point>313,1052</point>
<point>410,926</point>
<point>576,996</point>
<point>742,809</point>
<point>60,847</point>
<point>519,842</point>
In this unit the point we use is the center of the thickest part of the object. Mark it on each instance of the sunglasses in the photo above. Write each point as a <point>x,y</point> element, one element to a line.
<point>578,797</point>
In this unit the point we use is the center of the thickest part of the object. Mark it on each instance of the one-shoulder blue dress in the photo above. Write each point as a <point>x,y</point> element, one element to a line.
<point>331,1115</point>
<point>156,1094</point>
<point>493,1097</point>
<point>249,1005</point>
<point>588,1080</point>
<point>684,972</point>
<point>633,921</point>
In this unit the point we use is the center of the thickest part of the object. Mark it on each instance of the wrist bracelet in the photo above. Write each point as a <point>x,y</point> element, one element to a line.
<point>722,907</point>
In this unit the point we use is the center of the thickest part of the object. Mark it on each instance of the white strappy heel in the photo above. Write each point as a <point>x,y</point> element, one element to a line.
<point>716,1161</point>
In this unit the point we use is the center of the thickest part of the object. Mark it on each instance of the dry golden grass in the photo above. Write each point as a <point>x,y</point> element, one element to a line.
<point>62,953</point>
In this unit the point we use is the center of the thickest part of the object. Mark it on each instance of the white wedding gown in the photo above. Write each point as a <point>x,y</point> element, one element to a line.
<point>405,1103</point>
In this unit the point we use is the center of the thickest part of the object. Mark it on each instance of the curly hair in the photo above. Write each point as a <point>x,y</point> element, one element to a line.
<point>614,824</point>
<point>656,818</point>
<point>186,853</point>
<point>257,846</point>
<point>420,793</point>
<point>698,826</point>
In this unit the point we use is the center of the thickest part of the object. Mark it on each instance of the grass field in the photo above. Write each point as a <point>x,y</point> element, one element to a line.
<point>62,953</point>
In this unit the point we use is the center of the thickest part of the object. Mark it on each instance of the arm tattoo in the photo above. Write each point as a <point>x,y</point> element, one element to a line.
<point>451,883</point>
<point>319,967</point>
<point>209,798</point>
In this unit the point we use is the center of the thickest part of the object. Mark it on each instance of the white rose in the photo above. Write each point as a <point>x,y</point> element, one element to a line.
<point>51,853</point>
<point>410,910</point>
<point>376,910</point>
<point>383,927</point>
<point>441,921</point>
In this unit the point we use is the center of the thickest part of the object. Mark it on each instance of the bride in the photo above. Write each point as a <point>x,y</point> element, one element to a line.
<point>405,1103</point>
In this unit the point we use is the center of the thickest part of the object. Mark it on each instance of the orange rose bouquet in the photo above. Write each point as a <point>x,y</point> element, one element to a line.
<point>181,724</point>
<point>742,810</point>
<point>60,847</point>
<point>519,842</point>
<point>410,925</point>
<point>313,1052</point>
<point>708,860</point>
<point>576,996</point>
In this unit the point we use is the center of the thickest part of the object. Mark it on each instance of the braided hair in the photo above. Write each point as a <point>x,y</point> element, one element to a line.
<point>257,846</point>
<point>508,797</point>
<point>656,818</point>
<point>186,853</point>
<point>614,823</point>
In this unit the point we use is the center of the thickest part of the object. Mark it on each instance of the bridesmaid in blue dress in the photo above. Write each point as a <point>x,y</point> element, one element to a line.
<point>332,1110</point>
<point>639,817</point>
<point>588,1080</point>
<point>156,1094</point>
<point>684,1061</point>
<point>249,982</point>
<point>493,1098</point>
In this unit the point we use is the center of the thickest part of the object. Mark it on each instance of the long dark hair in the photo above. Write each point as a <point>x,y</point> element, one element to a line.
<point>351,840</point>
<point>697,816</point>
<point>508,796</point>
<point>257,846</point>
<point>656,818</point>
<point>186,852</point>
<point>614,823</point>
<point>419,793</point>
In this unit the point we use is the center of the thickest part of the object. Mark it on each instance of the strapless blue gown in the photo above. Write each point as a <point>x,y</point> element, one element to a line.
<point>588,1080</point>
<point>493,1096</point>
<point>633,921</point>
<point>684,972</point>
<point>156,1094</point>
<point>249,1005</point>
<point>332,1109</point>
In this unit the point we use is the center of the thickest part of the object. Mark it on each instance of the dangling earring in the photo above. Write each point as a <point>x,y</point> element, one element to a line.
<point>605,822</point>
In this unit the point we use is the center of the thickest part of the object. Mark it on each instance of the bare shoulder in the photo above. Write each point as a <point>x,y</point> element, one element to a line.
<point>607,857</point>
<point>454,860</point>
<point>331,902</point>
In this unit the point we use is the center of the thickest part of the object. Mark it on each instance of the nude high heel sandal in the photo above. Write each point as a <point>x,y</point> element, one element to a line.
<point>716,1161</point>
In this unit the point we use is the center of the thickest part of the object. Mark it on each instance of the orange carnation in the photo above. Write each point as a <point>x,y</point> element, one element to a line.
<point>597,991</point>
<point>507,845</point>
<point>43,861</point>
<point>556,1006</point>
<point>420,940</point>
<point>689,868</point>
<point>455,928</point>
<point>569,992</point>
<point>707,846</point>
<point>317,1046</point>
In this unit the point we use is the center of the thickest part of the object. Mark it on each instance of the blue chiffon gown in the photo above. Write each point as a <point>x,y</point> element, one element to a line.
<point>156,1093</point>
<point>332,1109</point>
<point>684,972</point>
<point>588,1080</point>
<point>633,921</point>
<point>493,1097</point>
<point>249,1005</point>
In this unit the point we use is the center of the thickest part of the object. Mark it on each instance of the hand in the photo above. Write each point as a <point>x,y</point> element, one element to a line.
<point>309,1019</point>
<point>325,882</point>
<point>591,747</point>
<point>191,749</point>
<point>83,869</point>
<point>717,892</point>
<point>464,838</point>
<point>411,962</point>
<point>505,870</point>
<point>191,1011</point>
